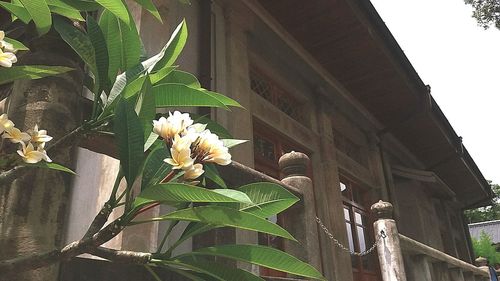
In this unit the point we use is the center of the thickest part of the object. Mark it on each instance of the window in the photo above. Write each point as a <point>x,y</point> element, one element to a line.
<point>359,230</point>
<point>265,87</point>
<point>269,146</point>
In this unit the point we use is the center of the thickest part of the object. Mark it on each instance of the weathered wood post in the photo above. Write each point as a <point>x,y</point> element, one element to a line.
<point>482,263</point>
<point>294,167</point>
<point>388,248</point>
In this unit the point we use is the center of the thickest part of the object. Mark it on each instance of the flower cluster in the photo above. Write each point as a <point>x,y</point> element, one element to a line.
<point>7,52</point>
<point>32,148</point>
<point>190,144</point>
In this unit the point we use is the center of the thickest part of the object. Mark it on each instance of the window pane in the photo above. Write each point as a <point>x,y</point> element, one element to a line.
<point>349,236</point>
<point>357,218</point>
<point>264,148</point>
<point>347,216</point>
<point>361,238</point>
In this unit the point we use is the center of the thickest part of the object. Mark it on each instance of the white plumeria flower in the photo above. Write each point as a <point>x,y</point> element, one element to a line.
<point>193,131</point>
<point>40,136</point>
<point>181,154</point>
<point>175,124</point>
<point>7,47</point>
<point>5,123</point>
<point>209,148</point>
<point>16,136</point>
<point>7,59</point>
<point>41,149</point>
<point>30,155</point>
<point>194,172</point>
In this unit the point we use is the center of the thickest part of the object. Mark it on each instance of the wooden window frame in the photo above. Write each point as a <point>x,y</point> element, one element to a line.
<point>357,201</point>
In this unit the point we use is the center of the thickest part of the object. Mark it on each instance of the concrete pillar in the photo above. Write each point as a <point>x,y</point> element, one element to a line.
<point>33,207</point>
<point>389,250</point>
<point>294,167</point>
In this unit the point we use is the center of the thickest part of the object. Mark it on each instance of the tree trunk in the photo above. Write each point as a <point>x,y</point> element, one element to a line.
<point>33,207</point>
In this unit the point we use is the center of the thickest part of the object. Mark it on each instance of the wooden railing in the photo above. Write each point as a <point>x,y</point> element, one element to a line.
<point>423,263</point>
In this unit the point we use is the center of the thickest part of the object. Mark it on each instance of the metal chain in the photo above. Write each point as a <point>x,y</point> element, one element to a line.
<point>337,243</point>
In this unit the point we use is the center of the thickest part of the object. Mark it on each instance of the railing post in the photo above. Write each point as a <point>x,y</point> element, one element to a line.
<point>293,167</point>
<point>388,248</point>
<point>482,263</point>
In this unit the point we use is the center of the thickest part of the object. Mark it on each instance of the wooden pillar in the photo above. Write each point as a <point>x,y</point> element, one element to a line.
<point>388,248</point>
<point>294,166</point>
<point>336,262</point>
<point>33,207</point>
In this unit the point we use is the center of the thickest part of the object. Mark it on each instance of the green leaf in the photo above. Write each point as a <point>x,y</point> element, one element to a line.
<point>130,139</point>
<point>223,216</point>
<point>260,255</point>
<point>145,66</point>
<point>146,108</point>
<point>160,74</point>
<point>269,199</point>
<point>212,174</point>
<point>181,77</point>
<point>223,99</point>
<point>66,12</point>
<point>17,10</point>
<point>181,95</point>
<point>155,169</point>
<point>150,7</point>
<point>131,45</point>
<point>111,31</point>
<point>118,8</point>
<point>52,166</point>
<point>150,140</point>
<point>213,126</point>
<point>78,41</point>
<point>16,44</point>
<point>235,194</point>
<point>178,192</point>
<point>174,47</point>
<point>40,13</point>
<point>232,142</point>
<point>80,5</point>
<point>8,75</point>
<point>98,41</point>
<point>216,269</point>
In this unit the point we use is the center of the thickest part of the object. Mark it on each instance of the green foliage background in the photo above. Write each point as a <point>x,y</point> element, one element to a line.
<point>487,213</point>
<point>483,247</point>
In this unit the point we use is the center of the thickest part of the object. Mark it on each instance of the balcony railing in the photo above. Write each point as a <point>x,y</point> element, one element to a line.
<point>421,263</point>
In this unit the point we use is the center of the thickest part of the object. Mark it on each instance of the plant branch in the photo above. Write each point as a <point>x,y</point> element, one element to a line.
<point>100,219</point>
<point>85,245</point>
<point>129,257</point>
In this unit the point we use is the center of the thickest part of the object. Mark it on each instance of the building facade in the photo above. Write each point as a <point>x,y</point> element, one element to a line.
<point>325,78</point>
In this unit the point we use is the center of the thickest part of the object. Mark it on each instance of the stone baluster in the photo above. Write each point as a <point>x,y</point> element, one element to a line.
<point>389,250</point>
<point>456,274</point>
<point>294,166</point>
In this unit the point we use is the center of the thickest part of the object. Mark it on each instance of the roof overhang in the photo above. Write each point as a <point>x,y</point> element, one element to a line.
<point>350,41</point>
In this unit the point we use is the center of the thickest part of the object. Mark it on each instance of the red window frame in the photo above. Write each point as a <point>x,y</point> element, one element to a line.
<point>359,227</point>
<point>269,166</point>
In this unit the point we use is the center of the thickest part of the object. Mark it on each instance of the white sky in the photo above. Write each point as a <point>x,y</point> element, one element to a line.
<point>461,62</point>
